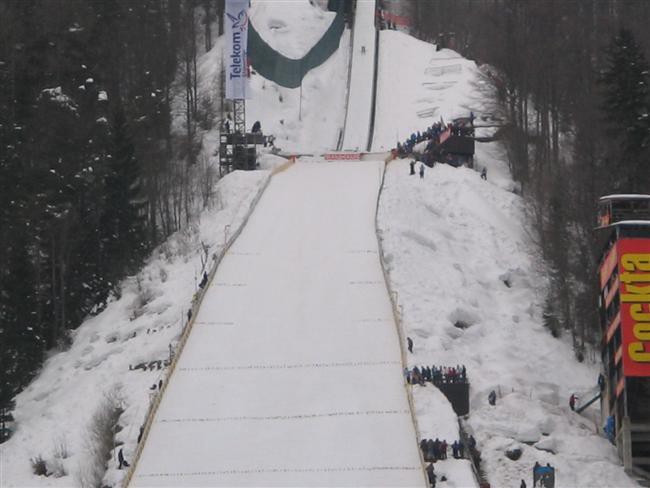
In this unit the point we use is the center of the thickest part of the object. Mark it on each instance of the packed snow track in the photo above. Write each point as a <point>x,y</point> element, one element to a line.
<point>292,373</point>
<point>360,97</point>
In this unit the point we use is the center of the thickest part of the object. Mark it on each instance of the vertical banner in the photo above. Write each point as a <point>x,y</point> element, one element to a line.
<point>235,59</point>
<point>634,276</point>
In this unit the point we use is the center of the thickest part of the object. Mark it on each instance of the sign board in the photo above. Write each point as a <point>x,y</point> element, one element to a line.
<point>236,54</point>
<point>342,156</point>
<point>634,293</point>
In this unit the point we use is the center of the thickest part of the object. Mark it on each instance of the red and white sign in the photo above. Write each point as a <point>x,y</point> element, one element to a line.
<point>345,156</point>
<point>634,277</point>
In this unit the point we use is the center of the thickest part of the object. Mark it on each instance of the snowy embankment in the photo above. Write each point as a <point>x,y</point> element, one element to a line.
<point>306,119</point>
<point>458,250</point>
<point>116,352</point>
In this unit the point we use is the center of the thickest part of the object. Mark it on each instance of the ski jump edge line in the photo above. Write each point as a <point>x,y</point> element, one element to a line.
<point>397,318</point>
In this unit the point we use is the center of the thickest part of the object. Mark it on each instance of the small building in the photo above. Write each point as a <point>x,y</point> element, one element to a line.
<point>624,302</point>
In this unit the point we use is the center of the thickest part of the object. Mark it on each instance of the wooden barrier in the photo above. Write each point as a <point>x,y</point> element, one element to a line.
<point>196,304</point>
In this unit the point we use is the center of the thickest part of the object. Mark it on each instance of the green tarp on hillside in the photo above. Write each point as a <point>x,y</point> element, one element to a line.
<point>289,72</point>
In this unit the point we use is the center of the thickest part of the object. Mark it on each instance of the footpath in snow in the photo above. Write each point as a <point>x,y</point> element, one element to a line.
<point>292,373</point>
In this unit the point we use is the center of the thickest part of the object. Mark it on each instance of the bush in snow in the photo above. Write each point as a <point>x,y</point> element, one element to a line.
<point>100,439</point>
<point>39,466</point>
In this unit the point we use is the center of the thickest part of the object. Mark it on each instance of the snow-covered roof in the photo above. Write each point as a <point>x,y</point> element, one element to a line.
<point>630,196</point>
<point>628,222</point>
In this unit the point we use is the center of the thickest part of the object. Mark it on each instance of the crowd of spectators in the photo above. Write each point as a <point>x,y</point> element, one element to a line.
<point>436,134</point>
<point>438,375</point>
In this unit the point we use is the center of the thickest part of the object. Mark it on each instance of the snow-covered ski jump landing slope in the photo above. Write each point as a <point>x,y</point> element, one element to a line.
<point>292,373</point>
<point>357,124</point>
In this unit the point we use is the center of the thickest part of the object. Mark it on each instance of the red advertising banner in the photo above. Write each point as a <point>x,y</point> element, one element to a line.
<point>343,156</point>
<point>634,276</point>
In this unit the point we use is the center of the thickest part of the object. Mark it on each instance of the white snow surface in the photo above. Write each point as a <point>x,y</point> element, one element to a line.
<point>292,373</point>
<point>357,124</point>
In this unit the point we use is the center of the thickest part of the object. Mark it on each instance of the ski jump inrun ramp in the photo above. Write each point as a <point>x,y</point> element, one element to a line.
<point>291,375</point>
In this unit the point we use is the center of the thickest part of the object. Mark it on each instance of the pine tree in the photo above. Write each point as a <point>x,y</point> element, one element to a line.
<point>626,105</point>
<point>123,220</point>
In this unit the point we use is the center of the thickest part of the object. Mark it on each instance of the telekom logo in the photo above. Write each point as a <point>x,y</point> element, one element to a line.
<point>239,24</point>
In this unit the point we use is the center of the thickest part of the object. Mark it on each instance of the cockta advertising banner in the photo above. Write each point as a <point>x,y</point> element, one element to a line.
<point>634,276</point>
<point>235,59</point>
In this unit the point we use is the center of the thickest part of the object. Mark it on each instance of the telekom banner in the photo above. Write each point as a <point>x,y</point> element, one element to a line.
<point>634,275</point>
<point>236,31</point>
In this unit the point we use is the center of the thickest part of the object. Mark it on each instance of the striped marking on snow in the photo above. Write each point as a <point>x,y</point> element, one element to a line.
<point>306,416</point>
<point>326,469</point>
<point>213,323</point>
<point>350,364</point>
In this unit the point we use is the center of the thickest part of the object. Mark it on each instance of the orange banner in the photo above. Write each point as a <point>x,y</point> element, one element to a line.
<point>634,276</point>
<point>609,263</point>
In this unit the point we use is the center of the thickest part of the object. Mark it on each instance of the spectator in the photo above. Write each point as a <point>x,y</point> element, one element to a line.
<point>423,448</point>
<point>431,450</point>
<point>431,475</point>
<point>492,397</point>
<point>572,401</point>
<point>121,460</point>
<point>443,449</point>
<point>257,127</point>
<point>471,442</point>
<point>204,280</point>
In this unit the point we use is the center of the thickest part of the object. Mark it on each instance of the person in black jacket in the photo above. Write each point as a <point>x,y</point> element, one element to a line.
<point>492,397</point>
<point>431,475</point>
<point>121,460</point>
